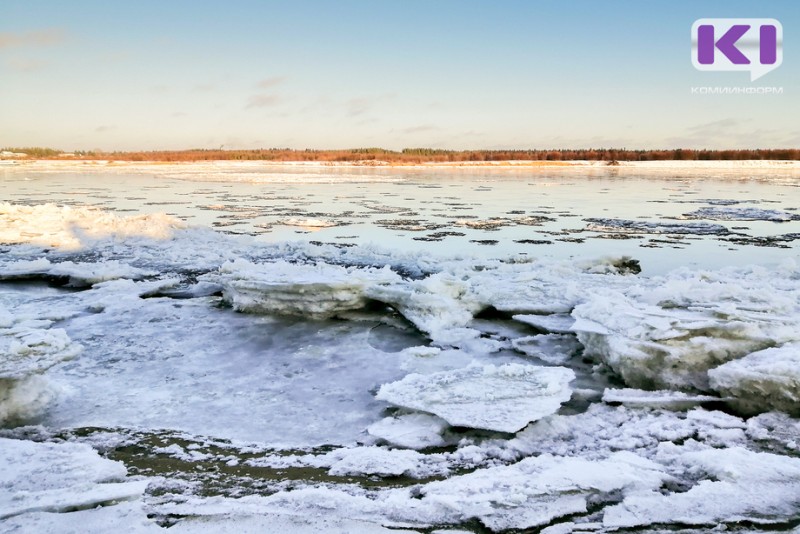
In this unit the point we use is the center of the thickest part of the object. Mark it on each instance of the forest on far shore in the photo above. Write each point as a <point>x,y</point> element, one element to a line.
<point>408,155</point>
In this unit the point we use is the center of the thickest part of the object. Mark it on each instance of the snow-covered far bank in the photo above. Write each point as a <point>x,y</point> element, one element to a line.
<point>266,171</point>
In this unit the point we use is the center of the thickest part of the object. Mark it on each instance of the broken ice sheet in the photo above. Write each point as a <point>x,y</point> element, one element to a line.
<point>737,485</point>
<point>539,489</point>
<point>740,214</point>
<point>501,398</point>
<point>667,332</point>
<point>644,227</point>
<point>555,323</point>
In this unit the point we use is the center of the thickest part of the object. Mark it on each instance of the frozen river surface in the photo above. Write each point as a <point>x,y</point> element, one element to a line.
<point>223,347</point>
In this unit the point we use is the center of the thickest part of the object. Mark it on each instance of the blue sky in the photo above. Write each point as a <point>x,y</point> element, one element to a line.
<point>312,74</point>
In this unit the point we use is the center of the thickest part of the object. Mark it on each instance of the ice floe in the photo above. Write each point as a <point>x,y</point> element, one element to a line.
<point>737,485</point>
<point>59,477</point>
<point>644,227</point>
<point>740,214</point>
<point>539,489</point>
<point>320,291</point>
<point>501,398</point>
<point>412,431</point>
<point>761,381</point>
<point>676,400</point>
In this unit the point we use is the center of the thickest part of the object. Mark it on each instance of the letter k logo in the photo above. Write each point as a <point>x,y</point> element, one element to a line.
<point>726,44</point>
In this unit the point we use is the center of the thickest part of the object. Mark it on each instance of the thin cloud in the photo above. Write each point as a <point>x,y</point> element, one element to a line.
<point>263,100</point>
<point>204,88</point>
<point>419,129</point>
<point>267,83</point>
<point>105,128</point>
<point>26,64</point>
<point>720,126</point>
<point>358,106</point>
<point>46,37</point>
<point>361,105</point>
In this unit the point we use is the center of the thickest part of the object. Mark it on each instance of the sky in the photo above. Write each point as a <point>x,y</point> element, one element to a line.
<point>155,75</point>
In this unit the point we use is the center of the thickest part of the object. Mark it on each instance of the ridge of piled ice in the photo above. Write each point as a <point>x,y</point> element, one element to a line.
<point>28,348</point>
<point>501,398</point>
<point>761,381</point>
<point>667,332</point>
<point>79,274</point>
<point>59,477</point>
<point>75,227</point>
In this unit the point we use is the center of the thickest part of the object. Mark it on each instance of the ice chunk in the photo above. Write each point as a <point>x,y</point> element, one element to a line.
<point>603,429</point>
<point>555,349</point>
<point>667,332</point>
<point>129,517</point>
<point>675,400</point>
<point>412,431</point>
<point>555,323</point>
<point>740,214</point>
<point>29,348</point>
<point>319,291</point>
<point>309,223</point>
<point>59,477</point>
<point>501,398</point>
<point>643,227</point>
<point>537,490</point>
<point>26,398</point>
<point>372,461</point>
<point>738,486</point>
<point>762,381</point>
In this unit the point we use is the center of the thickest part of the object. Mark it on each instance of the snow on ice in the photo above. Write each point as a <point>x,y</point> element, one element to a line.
<point>59,477</point>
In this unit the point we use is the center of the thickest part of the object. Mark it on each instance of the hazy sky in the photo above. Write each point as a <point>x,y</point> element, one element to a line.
<point>391,73</point>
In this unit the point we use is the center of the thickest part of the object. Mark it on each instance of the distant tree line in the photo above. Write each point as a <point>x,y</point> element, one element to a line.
<point>420,155</point>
